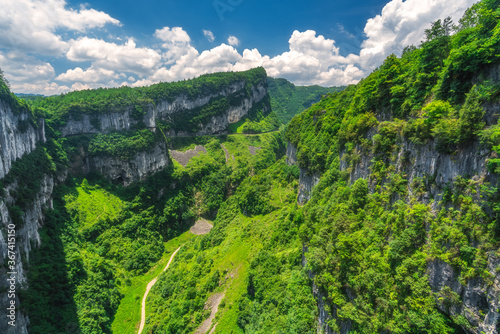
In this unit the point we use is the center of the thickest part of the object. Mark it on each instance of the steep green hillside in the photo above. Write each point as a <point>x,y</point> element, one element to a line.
<point>287,100</point>
<point>406,199</point>
<point>101,240</point>
<point>399,230</point>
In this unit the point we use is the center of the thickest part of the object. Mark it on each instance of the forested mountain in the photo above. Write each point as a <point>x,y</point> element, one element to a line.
<point>402,227</point>
<point>374,211</point>
<point>287,100</point>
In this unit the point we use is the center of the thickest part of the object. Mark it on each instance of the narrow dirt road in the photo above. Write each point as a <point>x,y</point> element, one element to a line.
<point>150,285</point>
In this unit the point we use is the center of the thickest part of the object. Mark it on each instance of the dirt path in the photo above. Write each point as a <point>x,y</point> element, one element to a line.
<point>225,151</point>
<point>150,285</point>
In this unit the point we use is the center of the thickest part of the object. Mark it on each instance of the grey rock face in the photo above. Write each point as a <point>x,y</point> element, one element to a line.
<point>307,181</point>
<point>478,301</point>
<point>323,315</point>
<point>219,124</point>
<point>103,123</point>
<point>163,110</point>
<point>291,154</point>
<point>306,184</point>
<point>15,142</point>
<point>142,165</point>
<point>26,237</point>
<point>18,137</point>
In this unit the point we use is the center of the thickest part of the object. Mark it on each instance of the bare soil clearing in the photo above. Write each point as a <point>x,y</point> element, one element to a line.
<point>201,227</point>
<point>184,157</point>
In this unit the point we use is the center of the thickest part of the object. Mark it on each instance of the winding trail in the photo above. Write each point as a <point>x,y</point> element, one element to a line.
<point>150,285</point>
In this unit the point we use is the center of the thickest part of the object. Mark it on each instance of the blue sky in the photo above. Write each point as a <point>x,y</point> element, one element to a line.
<point>250,20</point>
<point>54,46</point>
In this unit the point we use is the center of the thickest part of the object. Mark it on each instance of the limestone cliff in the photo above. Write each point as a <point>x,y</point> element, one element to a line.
<point>307,180</point>
<point>26,237</point>
<point>138,168</point>
<point>476,300</point>
<point>166,109</point>
<point>18,136</point>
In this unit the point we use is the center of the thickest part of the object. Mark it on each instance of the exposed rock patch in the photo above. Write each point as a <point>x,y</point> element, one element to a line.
<point>202,226</point>
<point>184,157</point>
<point>478,302</point>
<point>17,136</point>
<point>253,150</point>
<point>142,165</point>
<point>27,237</point>
<point>307,181</point>
<point>212,304</point>
<point>123,120</point>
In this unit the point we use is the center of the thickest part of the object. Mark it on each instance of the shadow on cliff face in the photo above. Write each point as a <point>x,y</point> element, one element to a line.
<point>49,299</point>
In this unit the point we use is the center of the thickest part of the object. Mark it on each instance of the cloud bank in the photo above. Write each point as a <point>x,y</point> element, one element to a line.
<point>30,30</point>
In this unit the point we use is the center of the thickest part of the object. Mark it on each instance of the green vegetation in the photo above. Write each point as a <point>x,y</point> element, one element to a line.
<point>108,238</point>
<point>137,101</point>
<point>287,100</point>
<point>371,241</point>
<point>258,120</point>
<point>123,145</point>
<point>128,313</point>
<point>369,233</point>
<point>12,101</point>
<point>253,255</point>
<point>402,87</point>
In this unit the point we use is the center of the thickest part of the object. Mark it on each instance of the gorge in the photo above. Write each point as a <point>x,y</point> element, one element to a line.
<point>371,208</point>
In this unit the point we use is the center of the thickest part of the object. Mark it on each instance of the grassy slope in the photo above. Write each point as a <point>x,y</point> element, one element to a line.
<point>128,315</point>
<point>244,238</point>
<point>228,256</point>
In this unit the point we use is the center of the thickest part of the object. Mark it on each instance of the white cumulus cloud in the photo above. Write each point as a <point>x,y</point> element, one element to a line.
<point>26,74</point>
<point>172,35</point>
<point>232,40</point>
<point>31,25</point>
<point>116,57</point>
<point>209,35</point>
<point>91,74</point>
<point>176,43</point>
<point>403,23</point>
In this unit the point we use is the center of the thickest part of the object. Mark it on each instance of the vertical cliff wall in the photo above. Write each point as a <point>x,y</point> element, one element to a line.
<point>26,237</point>
<point>168,109</point>
<point>126,171</point>
<point>307,180</point>
<point>477,299</point>
<point>18,136</point>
